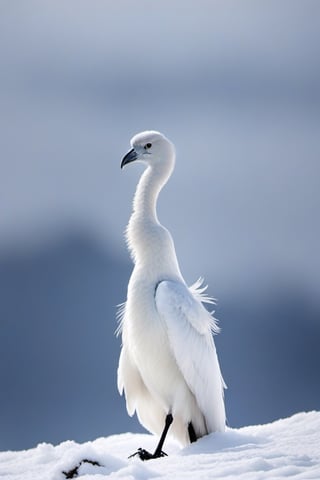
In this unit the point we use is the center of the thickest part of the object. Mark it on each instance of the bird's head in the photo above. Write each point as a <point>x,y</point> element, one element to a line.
<point>151,148</point>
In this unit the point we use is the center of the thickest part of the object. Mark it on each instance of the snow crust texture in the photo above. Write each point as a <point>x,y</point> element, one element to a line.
<point>288,448</point>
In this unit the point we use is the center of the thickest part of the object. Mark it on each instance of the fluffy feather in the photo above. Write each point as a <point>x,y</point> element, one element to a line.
<point>168,362</point>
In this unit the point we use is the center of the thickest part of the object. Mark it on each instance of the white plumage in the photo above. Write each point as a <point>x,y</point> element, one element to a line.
<point>168,367</point>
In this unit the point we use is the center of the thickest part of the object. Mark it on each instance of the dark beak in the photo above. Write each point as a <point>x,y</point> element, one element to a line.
<point>131,156</point>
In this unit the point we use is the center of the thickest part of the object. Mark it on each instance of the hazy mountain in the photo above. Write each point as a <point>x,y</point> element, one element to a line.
<point>59,354</point>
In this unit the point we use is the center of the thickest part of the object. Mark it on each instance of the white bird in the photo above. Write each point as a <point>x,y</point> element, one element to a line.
<point>168,366</point>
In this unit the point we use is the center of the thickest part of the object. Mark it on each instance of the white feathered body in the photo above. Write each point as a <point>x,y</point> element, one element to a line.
<point>168,361</point>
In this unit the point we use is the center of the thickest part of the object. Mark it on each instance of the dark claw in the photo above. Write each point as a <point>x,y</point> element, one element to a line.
<point>145,455</point>
<point>74,471</point>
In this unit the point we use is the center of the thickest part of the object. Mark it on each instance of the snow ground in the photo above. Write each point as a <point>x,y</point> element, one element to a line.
<point>286,448</point>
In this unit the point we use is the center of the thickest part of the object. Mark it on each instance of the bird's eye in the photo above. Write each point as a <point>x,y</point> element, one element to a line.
<point>147,146</point>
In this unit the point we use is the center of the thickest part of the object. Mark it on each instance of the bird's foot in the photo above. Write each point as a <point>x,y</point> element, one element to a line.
<point>145,455</point>
<point>74,471</point>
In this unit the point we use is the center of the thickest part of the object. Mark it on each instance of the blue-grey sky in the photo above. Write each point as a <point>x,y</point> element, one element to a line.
<point>234,84</point>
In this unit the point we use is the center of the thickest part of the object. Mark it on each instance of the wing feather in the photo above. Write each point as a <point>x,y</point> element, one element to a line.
<point>189,326</point>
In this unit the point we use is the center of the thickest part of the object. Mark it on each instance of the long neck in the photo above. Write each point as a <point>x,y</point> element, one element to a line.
<point>147,192</point>
<point>150,243</point>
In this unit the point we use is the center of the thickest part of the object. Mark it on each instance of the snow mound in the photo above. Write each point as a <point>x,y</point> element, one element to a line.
<point>285,448</point>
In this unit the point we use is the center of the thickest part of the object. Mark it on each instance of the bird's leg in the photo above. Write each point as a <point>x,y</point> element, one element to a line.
<point>192,433</point>
<point>158,451</point>
<point>145,455</point>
